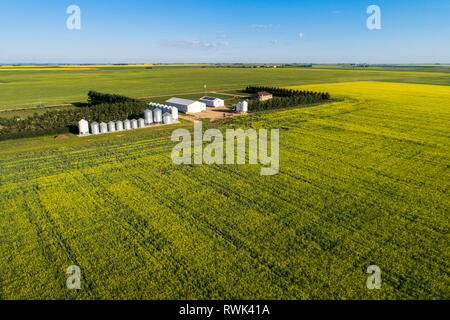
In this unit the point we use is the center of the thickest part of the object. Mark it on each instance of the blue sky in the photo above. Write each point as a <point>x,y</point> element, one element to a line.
<point>135,31</point>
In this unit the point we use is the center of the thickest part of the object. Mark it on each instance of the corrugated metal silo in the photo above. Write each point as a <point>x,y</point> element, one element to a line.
<point>134,124</point>
<point>167,118</point>
<point>148,116</point>
<point>157,115</point>
<point>174,113</point>
<point>83,126</point>
<point>141,123</point>
<point>95,128</point>
<point>244,106</point>
<point>111,126</point>
<point>119,125</point>
<point>103,127</point>
<point>127,125</point>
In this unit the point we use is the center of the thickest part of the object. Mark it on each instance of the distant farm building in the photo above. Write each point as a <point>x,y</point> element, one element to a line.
<point>212,102</point>
<point>185,105</point>
<point>263,96</point>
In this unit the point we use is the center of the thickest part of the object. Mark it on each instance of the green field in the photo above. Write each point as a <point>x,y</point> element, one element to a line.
<point>362,181</point>
<point>25,88</point>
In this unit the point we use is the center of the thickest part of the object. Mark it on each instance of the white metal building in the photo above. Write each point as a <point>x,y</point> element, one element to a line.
<point>212,102</point>
<point>185,105</point>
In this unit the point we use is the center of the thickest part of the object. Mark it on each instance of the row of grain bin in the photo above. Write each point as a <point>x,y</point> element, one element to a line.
<point>112,126</point>
<point>173,111</point>
<point>155,116</point>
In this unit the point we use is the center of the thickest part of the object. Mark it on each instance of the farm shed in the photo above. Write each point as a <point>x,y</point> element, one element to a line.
<point>185,105</point>
<point>263,95</point>
<point>212,102</point>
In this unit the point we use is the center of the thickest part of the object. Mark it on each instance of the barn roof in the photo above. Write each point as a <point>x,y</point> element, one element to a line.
<point>180,101</point>
<point>263,93</point>
<point>209,98</point>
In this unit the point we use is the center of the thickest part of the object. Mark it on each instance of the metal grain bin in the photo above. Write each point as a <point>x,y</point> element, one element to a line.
<point>95,129</point>
<point>127,125</point>
<point>244,106</point>
<point>103,127</point>
<point>167,118</point>
<point>119,125</point>
<point>111,126</point>
<point>141,123</point>
<point>157,115</point>
<point>174,113</point>
<point>148,116</point>
<point>83,126</point>
<point>134,124</point>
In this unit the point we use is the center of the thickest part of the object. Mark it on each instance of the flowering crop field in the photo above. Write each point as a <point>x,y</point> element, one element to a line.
<point>362,181</point>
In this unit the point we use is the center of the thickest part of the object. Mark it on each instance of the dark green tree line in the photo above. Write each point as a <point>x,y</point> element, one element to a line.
<point>285,98</point>
<point>63,121</point>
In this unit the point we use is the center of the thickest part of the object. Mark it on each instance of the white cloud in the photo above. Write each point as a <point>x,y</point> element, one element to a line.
<point>194,43</point>
<point>275,42</point>
<point>259,27</point>
<point>221,35</point>
<point>300,35</point>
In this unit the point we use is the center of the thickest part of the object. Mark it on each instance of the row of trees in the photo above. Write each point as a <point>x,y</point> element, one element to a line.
<point>283,92</point>
<point>285,98</point>
<point>95,98</point>
<point>63,121</point>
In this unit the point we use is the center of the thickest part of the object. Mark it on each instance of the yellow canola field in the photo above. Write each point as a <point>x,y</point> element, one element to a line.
<point>392,92</point>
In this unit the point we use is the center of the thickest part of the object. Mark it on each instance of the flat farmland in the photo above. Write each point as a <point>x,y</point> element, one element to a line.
<point>22,87</point>
<point>362,181</point>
